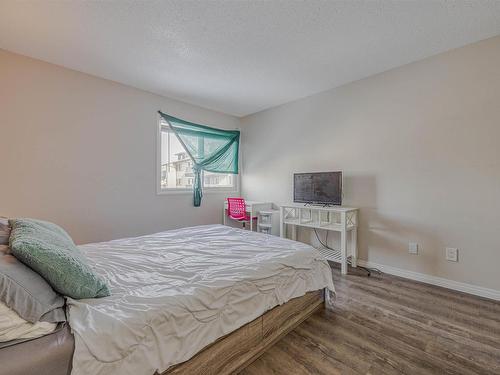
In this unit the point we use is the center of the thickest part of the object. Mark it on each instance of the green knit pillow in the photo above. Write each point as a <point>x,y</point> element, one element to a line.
<point>50,251</point>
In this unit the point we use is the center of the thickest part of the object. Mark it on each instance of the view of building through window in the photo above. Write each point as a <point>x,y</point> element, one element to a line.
<point>217,179</point>
<point>177,167</point>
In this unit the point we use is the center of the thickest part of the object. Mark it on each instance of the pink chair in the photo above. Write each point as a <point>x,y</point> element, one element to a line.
<point>236,210</point>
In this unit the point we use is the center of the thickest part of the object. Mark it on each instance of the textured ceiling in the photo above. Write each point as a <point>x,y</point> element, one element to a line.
<point>240,57</point>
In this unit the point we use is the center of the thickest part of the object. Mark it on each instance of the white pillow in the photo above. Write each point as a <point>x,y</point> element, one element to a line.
<point>13,327</point>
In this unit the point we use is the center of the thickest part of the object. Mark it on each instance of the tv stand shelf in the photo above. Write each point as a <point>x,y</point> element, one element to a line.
<point>336,218</point>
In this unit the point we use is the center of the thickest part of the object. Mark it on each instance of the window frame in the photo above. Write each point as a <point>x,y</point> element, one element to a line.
<point>179,190</point>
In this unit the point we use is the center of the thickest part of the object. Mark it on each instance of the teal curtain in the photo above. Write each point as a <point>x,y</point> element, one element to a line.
<point>212,150</point>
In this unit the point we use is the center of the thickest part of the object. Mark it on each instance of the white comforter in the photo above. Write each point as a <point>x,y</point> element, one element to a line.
<point>175,292</point>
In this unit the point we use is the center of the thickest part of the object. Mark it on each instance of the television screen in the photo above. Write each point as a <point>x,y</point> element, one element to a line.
<point>322,187</point>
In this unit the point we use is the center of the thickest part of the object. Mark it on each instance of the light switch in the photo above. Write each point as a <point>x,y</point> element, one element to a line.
<point>413,248</point>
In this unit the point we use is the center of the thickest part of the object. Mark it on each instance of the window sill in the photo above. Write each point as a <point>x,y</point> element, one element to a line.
<point>190,191</point>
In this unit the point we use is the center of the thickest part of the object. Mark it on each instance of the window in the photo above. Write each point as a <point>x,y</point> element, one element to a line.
<point>176,166</point>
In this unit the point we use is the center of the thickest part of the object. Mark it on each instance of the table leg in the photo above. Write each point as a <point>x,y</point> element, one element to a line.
<point>354,247</point>
<point>224,216</point>
<point>343,252</point>
<point>343,244</point>
<point>282,224</point>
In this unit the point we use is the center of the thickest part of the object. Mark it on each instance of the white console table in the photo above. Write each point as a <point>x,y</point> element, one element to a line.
<point>337,219</point>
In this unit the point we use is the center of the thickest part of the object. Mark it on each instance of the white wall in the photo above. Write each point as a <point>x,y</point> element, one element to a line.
<point>419,147</point>
<point>80,151</point>
<point>420,150</point>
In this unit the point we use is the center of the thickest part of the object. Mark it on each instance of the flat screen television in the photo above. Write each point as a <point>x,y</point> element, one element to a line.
<point>318,188</point>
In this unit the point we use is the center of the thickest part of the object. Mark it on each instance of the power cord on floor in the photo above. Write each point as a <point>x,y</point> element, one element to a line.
<point>325,245</point>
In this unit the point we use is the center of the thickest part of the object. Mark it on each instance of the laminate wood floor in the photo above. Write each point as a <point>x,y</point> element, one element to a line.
<point>389,325</point>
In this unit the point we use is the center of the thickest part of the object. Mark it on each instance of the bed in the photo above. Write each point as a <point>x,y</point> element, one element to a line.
<point>206,299</point>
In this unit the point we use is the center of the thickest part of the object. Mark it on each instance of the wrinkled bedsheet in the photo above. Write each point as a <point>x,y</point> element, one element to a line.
<point>175,292</point>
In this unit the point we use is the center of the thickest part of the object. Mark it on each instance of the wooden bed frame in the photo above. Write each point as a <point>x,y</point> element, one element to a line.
<point>233,352</point>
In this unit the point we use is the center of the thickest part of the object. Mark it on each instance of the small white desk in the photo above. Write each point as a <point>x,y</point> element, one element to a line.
<point>339,219</point>
<point>251,207</point>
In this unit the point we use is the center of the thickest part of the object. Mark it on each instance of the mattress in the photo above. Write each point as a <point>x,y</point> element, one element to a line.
<point>175,292</point>
<point>48,355</point>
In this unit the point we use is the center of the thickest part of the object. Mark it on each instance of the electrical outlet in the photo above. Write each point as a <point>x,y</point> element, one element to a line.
<point>452,254</point>
<point>413,248</point>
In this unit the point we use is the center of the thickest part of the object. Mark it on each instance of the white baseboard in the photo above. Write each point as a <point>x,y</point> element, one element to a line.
<point>434,280</point>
